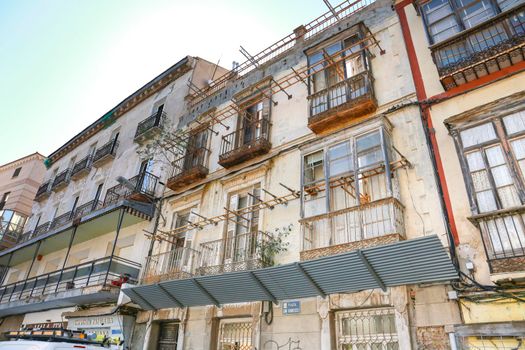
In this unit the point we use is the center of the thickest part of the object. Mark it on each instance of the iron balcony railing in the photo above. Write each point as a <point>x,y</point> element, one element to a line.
<point>375,219</point>
<point>81,165</point>
<point>243,142</point>
<point>154,121</point>
<point>105,271</point>
<point>61,220</point>
<point>143,184</point>
<point>193,159</point>
<point>347,92</point>
<point>86,208</point>
<point>108,149</point>
<point>61,179</point>
<point>43,190</point>
<point>238,253</point>
<point>499,35</point>
<point>176,264</point>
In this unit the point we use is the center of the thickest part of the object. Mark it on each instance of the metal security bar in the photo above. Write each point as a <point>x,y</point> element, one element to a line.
<point>97,272</point>
<point>238,253</point>
<point>367,329</point>
<point>235,336</point>
<point>175,264</point>
<point>153,121</point>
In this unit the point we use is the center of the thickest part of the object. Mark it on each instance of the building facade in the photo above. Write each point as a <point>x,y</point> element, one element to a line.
<point>468,61</point>
<point>85,236</point>
<point>19,181</point>
<point>304,212</point>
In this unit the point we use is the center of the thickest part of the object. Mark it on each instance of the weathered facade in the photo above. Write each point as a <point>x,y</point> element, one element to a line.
<point>19,181</point>
<point>468,62</point>
<point>85,236</point>
<point>312,151</point>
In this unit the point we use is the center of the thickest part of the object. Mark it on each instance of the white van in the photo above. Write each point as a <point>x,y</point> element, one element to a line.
<point>45,345</point>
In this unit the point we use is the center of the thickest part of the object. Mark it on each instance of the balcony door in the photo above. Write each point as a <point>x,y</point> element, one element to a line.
<point>144,179</point>
<point>252,122</point>
<point>181,258</point>
<point>241,235</point>
<point>196,150</point>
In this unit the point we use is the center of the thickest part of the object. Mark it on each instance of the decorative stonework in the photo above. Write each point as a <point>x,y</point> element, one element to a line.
<point>432,338</point>
<point>346,247</point>
<point>508,265</point>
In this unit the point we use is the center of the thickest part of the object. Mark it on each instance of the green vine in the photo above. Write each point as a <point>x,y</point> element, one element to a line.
<point>274,245</point>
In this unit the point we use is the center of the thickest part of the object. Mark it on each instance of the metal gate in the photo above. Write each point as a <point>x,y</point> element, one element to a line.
<point>169,331</point>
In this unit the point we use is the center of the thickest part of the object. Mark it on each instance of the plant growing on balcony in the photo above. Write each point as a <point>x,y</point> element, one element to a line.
<point>274,245</point>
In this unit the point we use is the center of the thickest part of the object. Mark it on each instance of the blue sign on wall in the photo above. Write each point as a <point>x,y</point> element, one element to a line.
<point>291,307</point>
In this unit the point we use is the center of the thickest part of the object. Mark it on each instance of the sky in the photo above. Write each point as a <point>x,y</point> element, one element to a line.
<point>65,63</point>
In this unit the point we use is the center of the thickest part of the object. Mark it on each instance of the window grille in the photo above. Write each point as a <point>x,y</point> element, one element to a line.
<point>490,342</point>
<point>372,329</point>
<point>235,335</point>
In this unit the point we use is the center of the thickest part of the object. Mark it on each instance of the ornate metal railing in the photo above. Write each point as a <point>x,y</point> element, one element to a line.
<point>142,184</point>
<point>61,220</point>
<point>154,121</point>
<point>106,150</point>
<point>83,164</point>
<point>238,253</point>
<point>502,34</point>
<point>372,220</point>
<point>347,92</point>
<point>87,208</point>
<point>43,190</point>
<point>246,142</point>
<point>61,179</point>
<point>175,264</point>
<point>105,271</point>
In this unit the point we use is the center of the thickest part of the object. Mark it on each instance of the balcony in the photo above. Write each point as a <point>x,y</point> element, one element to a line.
<point>81,168</point>
<point>188,169</point>
<point>503,235</point>
<point>9,234</point>
<point>150,127</point>
<point>140,188</point>
<point>61,220</point>
<point>239,253</point>
<point>246,143</point>
<point>481,50</point>
<point>86,208</point>
<point>43,191</point>
<point>342,103</point>
<point>61,180</point>
<point>176,264</point>
<point>91,282</point>
<point>375,223</point>
<point>105,153</point>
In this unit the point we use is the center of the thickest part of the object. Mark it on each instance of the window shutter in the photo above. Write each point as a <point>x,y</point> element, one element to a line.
<point>231,228</point>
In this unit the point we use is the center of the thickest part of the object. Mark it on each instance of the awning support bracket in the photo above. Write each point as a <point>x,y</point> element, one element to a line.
<point>310,280</point>
<point>205,292</point>
<point>370,269</point>
<point>263,287</point>
<point>170,296</point>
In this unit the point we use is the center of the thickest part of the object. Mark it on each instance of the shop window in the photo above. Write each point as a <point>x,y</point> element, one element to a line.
<point>372,329</point>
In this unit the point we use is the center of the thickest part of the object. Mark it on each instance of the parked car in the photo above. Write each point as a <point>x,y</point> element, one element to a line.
<point>22,344</point>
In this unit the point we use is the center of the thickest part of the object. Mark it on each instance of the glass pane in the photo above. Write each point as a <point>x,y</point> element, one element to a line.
<point>475,161</point>
<point>313,167</point>
<point>369,158</point>
<point>507,4</point>
<point>501,176</point>
<point>495,156</point>
<point>478,134</point>
<point>475,12</point>
<point>480,180</point>
<point>515,122</point>
<point>340,159</point>
<point>486,201</point>
<point>508,196</point>
<point>368,141</point>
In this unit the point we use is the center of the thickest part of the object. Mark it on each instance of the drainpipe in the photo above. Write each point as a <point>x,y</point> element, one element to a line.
<point>430,136</point>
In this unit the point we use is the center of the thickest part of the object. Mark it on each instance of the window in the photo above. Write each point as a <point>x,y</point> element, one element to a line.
<point>495,180</point>
<point>330,67</point>
<point>168,335</point>
<point>235,335</point>
<point>373,329</point>
<point>444,18</point>
<point>5,197</point>
<point>17,172</point>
